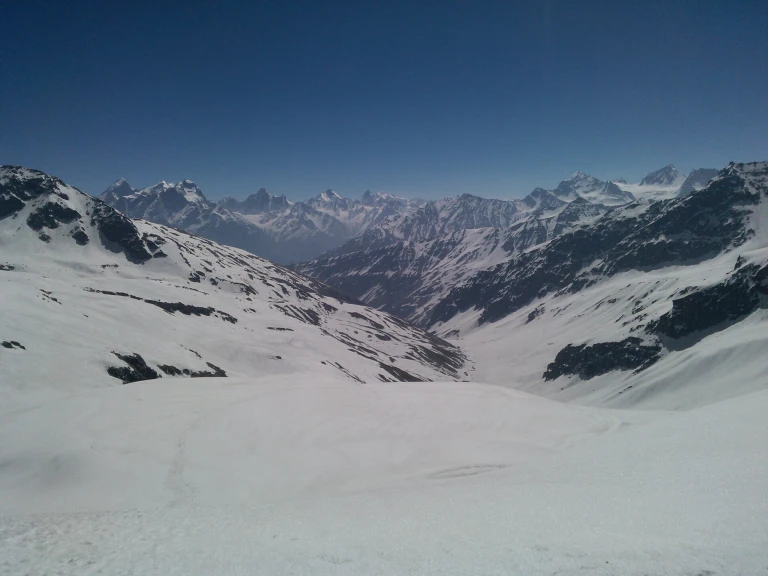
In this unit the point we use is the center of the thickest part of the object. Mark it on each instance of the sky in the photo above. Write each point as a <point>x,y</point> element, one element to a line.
<point>415,98</point>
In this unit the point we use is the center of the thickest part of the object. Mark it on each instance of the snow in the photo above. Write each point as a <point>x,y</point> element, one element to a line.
<point>290,466</point>
<point>318,475</point>
<point>650,192</point>
<point>515,352</point>
<point>72,306</point>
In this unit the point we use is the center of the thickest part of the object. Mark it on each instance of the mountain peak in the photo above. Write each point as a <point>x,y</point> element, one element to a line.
<point>260,202</point>
<point>119,189</point>
<point>696,180</point>
<point>667,176</point>
<point>189,190</point>
<point>368,198</point>
<point>328,196</point>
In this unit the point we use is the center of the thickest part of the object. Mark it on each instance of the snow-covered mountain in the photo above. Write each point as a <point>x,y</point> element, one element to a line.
<point>666,183</point>
<point>309,456</point>
<point>407,269</point>
<point>258,203</point>
<point>632,279</point>
<point>581,185</point>
<point>696,180</point>
<point>646,301</point>
<point>93,298</point>
<point>286,232</point>
<point>407,263</point>
<point>263,224</point>
<point>666,177</point>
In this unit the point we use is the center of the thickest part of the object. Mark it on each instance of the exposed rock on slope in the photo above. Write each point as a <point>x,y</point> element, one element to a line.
<point>635,237</point>
<point>648,300</point>
<point>409,277</point>
<point>156,296</point>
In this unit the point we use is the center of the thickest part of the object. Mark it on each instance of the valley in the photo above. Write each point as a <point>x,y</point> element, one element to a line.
<point>574,387</point>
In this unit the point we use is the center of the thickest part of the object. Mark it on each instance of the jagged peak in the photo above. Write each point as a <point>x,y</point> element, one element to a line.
<point>666,176</point>
<point>119,188</point>
<point>327,196</point>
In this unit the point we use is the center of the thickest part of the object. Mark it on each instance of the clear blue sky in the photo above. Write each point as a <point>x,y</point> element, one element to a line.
<point>416,98</point>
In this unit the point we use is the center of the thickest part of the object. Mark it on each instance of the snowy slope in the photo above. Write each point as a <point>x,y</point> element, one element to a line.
<point>314,474</point>
<point>304,461</point>
<point>85,289</point>
<point>647,304</point>
<point>667,183</point>
<point>663,294</point>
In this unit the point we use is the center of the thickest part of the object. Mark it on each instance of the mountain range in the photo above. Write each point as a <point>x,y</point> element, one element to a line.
<point>625,294</point>
<point>587,381</point>
<point>463,266</point>
<point>270,226</point>
<point>288,232</point>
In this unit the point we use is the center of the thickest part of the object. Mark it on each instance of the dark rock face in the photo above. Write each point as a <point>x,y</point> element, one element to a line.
<point>170,370</point>
<point>535,313</point>
<point>191,309</point>
<point>399,374</point>
<point>50,215</point>
<point>117,230</point>
<point>23,185</point>
<point>9,204</point>
<point>588,361</point>
<point>136,370</point>
<point>713,306</point>
<point>215,371</point>
<point>171,307</point>
<point>80,237</point>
